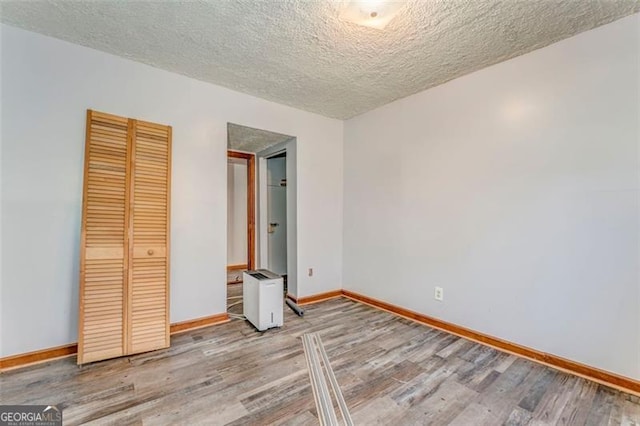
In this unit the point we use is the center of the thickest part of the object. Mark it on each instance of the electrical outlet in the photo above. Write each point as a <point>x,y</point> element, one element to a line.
<point>310,272</point>
<point>438,294</point>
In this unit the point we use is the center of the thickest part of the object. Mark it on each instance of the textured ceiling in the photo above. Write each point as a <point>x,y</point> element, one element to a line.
<point>248,139</point>
<point>299,53</point>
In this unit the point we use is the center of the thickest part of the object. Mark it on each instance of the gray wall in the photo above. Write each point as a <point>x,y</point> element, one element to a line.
<point>515,188</point>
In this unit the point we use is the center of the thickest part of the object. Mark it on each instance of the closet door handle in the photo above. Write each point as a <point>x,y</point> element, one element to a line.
<point>150,252</point>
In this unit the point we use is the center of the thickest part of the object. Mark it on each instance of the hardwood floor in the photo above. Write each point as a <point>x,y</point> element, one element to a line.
<point>234,299</point>
<point>390,370</point>
<point>234,277</point>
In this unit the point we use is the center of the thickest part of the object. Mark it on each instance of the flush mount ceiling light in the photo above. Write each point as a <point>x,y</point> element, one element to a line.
<point>370,13</point>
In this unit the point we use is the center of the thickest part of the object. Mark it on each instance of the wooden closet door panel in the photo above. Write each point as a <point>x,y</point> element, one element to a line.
<point>149,272</point>
<point>103,259</point>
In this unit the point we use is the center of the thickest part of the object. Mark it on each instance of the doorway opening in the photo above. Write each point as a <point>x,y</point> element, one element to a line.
<point>271,204</point>
<point>241,214</point>
<point>277,212</point>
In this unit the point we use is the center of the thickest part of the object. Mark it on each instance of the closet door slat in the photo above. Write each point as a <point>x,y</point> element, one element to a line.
<point>149,232</point>
<point>104,239</point>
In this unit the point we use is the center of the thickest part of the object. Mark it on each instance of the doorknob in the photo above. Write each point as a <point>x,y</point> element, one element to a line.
<point>272,227</point>
<point>150,252</point>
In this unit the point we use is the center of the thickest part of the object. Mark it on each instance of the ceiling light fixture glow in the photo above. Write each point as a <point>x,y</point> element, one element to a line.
<point>370,13</point>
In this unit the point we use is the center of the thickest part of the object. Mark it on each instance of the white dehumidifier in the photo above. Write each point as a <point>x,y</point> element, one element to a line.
<point>262,297</point>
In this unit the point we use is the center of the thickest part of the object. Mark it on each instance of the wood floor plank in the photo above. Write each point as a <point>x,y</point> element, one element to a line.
<point>475,414</point>
<point>630,414</point>
<point>533,397</point>
<point>518,417</point>
<point>369,414</point>
<point>601,406</point>
<point>577,409</point>
<point>554,400</point>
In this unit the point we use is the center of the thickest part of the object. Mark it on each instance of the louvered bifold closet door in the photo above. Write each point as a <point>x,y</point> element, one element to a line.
<point>149,271</point>
<point>104,245</point>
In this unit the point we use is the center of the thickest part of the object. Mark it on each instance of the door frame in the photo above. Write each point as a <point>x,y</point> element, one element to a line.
<point>290,147</point>
<point>251,203</point>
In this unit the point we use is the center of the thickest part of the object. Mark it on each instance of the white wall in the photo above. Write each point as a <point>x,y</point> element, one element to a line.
<point>516,189</point>
<point>237,212</point>
<point>1,202</point>
<point>47,85</point>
